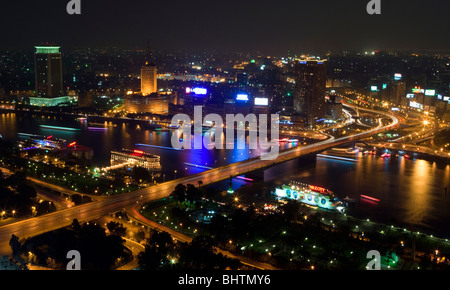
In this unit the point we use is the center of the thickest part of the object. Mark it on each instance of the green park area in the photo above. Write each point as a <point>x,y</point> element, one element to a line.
<point>291,235</point>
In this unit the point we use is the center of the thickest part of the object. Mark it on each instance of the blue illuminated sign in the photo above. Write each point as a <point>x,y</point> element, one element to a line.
<point>241,97</point>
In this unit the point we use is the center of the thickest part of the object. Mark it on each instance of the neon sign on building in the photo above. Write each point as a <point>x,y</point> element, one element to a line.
<point>318,189</point>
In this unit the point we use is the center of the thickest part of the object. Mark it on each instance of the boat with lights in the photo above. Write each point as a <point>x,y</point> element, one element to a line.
<point>309,194</point>
<point>31,142</point>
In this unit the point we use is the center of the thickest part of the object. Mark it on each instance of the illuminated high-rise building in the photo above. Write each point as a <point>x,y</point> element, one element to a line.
<point>310,89</point>
<point>149,77</point>
<point>48,71</point>
<point>154,103</point>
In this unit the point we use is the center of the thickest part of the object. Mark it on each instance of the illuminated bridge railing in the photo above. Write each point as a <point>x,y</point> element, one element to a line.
<point>256,163</point>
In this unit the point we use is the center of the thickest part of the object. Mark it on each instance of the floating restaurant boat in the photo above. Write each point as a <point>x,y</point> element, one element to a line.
<point>309,194</point>
<point>131,158</point>
<point>31,142</point>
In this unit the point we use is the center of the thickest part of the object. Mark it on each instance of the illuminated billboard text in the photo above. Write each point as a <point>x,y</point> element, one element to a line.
<point>261,101</point>
<point>242,97</point>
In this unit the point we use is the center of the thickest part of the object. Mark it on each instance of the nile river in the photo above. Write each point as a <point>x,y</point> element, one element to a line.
<point>411,191</point>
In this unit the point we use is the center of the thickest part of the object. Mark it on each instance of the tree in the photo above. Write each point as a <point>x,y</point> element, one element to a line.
<point>179,194</point>
<point>17,178</point>
<point>15,245</point>
<point>219,228</point>
<point>161,240</point>
<point>99,251</point>
<point>116,228</point>
<point>140,174</point>
<point>242,223</point>
<point>28,191</point>
<point>156,252</point>
<point>140,236</point>
<point>193,194</point>
<point>150,259</point>
<point>200,255</point>
<point>76,226</point>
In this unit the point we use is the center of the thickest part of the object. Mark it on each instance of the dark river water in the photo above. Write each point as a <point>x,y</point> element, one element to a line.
<point>411,191</point>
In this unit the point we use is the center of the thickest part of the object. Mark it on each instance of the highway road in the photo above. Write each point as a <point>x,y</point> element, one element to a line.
<point>135,249</point>
<point>38,225</point>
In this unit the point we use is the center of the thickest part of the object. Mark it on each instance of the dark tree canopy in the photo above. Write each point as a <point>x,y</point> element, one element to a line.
<point>98,250</point>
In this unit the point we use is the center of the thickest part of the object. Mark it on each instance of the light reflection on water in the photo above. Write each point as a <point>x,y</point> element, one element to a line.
<point>124,136</point>
<point>410,191</point>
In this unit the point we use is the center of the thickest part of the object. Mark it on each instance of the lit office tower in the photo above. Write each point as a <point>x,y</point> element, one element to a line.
<point>310,86</point>
<point>48,70</point>
<point>148,77</point>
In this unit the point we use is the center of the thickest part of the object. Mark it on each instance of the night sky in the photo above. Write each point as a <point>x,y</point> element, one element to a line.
<point>273,27</point>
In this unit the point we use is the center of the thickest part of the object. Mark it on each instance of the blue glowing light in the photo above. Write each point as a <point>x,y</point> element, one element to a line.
<point>241,97</point>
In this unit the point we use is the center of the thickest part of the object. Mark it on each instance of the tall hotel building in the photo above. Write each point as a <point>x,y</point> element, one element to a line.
<point>149,100</point>
<point>48,70</point>
<point>148,79</point>
<point>310,89</point>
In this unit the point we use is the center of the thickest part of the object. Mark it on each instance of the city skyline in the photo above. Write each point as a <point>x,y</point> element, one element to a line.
<point>237,135</point>
<point>273,28</point>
